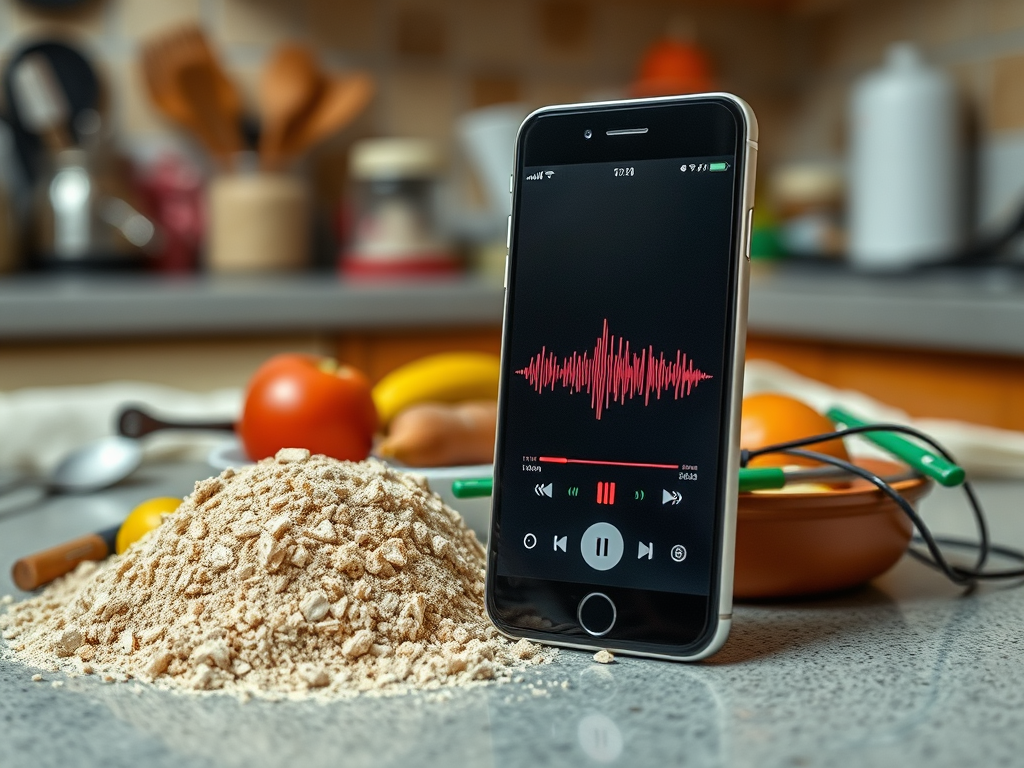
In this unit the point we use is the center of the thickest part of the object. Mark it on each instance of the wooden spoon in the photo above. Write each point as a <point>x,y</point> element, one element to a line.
<point>289,88</point>
<point>211,97</point>
<point>341,101</point>
<point>188,85</point>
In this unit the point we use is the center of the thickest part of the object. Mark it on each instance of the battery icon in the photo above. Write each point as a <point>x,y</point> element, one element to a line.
<point>718,167</point>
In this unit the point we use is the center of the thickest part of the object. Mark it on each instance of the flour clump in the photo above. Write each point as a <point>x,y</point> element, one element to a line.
<point>300,574</point>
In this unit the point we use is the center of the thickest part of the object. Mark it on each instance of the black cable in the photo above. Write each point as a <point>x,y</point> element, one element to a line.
<point>996,549</point>
<point>952,573</point>
<point>934,558</point>
<point>975,505</point>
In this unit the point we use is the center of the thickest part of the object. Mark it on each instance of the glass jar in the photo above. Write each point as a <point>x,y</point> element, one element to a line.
<point>395,223</point>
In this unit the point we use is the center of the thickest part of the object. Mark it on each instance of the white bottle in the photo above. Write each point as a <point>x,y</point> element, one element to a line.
<point>906,174</point>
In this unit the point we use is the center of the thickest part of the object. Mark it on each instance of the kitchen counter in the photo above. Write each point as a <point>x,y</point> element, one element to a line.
<point>907,671</point>
<point>977,310</point>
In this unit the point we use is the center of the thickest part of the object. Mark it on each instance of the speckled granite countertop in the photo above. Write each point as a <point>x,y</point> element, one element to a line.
<point>904,672</point>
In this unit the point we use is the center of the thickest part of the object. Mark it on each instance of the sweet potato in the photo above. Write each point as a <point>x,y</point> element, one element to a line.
<point>442,434</point>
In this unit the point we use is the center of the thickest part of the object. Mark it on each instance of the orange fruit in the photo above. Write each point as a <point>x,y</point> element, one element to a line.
<point>770,418</point>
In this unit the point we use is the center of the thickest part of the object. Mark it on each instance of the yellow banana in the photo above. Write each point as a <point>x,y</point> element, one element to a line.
<point>448,378</point>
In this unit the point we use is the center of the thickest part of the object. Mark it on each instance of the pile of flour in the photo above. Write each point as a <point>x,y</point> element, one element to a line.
<point>298,574</point>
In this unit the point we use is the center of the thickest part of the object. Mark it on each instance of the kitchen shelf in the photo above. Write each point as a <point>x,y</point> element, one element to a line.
<point>977,311</point>
<point>51,308</point>
<point>973,311</point>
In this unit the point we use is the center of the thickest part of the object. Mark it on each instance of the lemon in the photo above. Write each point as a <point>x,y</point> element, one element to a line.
<point>143,519</point>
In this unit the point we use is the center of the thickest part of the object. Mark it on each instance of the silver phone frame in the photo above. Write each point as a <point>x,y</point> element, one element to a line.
<point>742,254</point>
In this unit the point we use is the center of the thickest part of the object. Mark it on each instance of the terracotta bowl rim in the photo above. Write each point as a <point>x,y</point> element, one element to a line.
<point>860,498</point>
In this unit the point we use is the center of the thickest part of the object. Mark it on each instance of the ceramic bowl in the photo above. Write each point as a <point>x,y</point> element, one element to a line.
<point>794,544</point>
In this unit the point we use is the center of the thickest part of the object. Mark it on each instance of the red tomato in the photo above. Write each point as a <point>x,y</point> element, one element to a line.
<point>304,401</point>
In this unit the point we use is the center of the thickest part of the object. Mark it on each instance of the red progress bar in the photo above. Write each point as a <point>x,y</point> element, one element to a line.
<point>563,460</point>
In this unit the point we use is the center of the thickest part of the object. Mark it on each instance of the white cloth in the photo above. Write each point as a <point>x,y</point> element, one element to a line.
<point>39,426</point>
<point>982,451</point>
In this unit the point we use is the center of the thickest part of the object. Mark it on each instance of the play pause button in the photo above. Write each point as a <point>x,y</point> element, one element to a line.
<point>602,546</point>
<point>645,550</point>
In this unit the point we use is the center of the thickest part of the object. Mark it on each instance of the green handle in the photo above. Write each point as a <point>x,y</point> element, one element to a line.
<point>921,459</point>
<point>471,489</point>
<point>761,478</point>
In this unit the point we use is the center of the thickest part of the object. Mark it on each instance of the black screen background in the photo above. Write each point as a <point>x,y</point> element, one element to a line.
<point>649,252</point>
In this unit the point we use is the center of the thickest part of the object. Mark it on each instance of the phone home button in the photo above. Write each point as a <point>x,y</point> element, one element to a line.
<point>596,614</point>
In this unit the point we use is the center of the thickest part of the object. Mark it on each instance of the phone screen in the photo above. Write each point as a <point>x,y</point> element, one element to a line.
<point>617,363</point>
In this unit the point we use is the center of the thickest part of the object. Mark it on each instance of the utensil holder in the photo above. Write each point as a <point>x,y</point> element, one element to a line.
<point>259,222</point>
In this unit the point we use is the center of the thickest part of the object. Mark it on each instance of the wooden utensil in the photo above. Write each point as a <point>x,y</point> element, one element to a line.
<point>35,570</point>
<point>188,85</point>
<point>341,101</point>
<point>289,88</point>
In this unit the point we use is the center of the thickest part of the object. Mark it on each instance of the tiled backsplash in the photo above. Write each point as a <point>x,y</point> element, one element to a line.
<point>979,42</point>
<point>434,59</point>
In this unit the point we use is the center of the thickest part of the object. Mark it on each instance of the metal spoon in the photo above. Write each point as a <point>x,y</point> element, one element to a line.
<point>92,467</point>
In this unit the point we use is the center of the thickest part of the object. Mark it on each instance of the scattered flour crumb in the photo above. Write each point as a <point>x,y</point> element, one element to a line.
<point>37,678</point>
<point>299,576</point>
<point>604,657</point>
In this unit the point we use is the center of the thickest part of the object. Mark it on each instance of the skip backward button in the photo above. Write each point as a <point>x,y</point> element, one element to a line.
<point>561,542</point>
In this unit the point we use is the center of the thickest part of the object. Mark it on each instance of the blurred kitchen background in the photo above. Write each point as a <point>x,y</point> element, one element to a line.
<point>328,175</point>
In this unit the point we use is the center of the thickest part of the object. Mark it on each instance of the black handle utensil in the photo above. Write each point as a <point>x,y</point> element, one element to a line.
<point>135,422</point>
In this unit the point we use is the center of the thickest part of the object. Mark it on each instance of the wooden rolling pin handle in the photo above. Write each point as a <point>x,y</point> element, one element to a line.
<point>43,567</point>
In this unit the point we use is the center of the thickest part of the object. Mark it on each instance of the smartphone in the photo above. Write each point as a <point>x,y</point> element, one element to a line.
<point>615,478</point>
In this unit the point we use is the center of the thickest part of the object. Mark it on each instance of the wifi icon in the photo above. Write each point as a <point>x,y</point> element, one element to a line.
<point>549,174</point>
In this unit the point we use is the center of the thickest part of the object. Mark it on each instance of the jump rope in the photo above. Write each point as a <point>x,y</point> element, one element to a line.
<point>931,554</point>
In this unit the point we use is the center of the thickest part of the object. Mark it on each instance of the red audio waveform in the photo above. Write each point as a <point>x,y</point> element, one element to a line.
<point>613,374</point>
